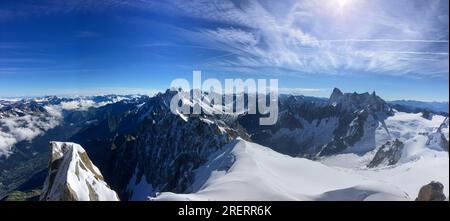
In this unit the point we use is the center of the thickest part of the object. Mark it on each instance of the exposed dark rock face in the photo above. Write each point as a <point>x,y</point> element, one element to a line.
<point>353,102</point>
<point>388,154</point>
<point>444,143</point>
<point>336,95</point>
<point>348,133</point>
<point>300,126</point>
<point>433,191</point>
<point>311,127</point>
<point>437,140</point>
<point>160,147</point>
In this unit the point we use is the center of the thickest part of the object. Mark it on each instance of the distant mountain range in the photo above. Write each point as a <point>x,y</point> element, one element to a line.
<point>348,147</point>
<point>421,105</point>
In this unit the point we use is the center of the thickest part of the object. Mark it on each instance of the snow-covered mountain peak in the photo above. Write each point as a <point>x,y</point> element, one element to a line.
<point>72,176</point>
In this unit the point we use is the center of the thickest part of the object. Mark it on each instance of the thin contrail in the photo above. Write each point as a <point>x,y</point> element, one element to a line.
<point>416,52</point>
<point>387,40</point>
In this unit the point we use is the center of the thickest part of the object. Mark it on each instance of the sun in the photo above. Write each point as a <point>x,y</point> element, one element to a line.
<point>342,3</point>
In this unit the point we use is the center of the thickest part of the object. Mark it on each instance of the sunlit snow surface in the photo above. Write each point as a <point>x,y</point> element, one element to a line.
<point>420,163</point>
<point>77,174</point>
<point>248,171</point>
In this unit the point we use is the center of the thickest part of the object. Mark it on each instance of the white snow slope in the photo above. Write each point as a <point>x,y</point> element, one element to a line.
<point>420,163</point>
<point>248,171</point>
<point>76,177</point>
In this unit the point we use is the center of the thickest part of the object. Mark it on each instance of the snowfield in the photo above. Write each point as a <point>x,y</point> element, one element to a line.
<point>248,171</point>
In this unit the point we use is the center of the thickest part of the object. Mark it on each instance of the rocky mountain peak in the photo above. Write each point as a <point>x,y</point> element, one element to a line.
<point>354,101</point>
<point>73,177</point>
<point>336,94</point>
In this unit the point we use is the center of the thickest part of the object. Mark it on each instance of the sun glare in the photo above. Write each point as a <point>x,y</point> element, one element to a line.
<point>342,3</point>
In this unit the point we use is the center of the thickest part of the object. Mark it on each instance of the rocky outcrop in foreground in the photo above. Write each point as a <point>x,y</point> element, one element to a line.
<point>73,177</point>
<point>433,191</point>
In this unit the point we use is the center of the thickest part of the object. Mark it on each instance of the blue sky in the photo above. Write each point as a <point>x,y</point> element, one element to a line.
<point>397,48</point>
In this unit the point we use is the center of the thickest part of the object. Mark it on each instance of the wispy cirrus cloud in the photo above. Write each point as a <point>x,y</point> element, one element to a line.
<point>402,38</point>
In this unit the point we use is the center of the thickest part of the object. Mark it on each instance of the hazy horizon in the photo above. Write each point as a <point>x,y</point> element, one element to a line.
<point>150,93</point>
